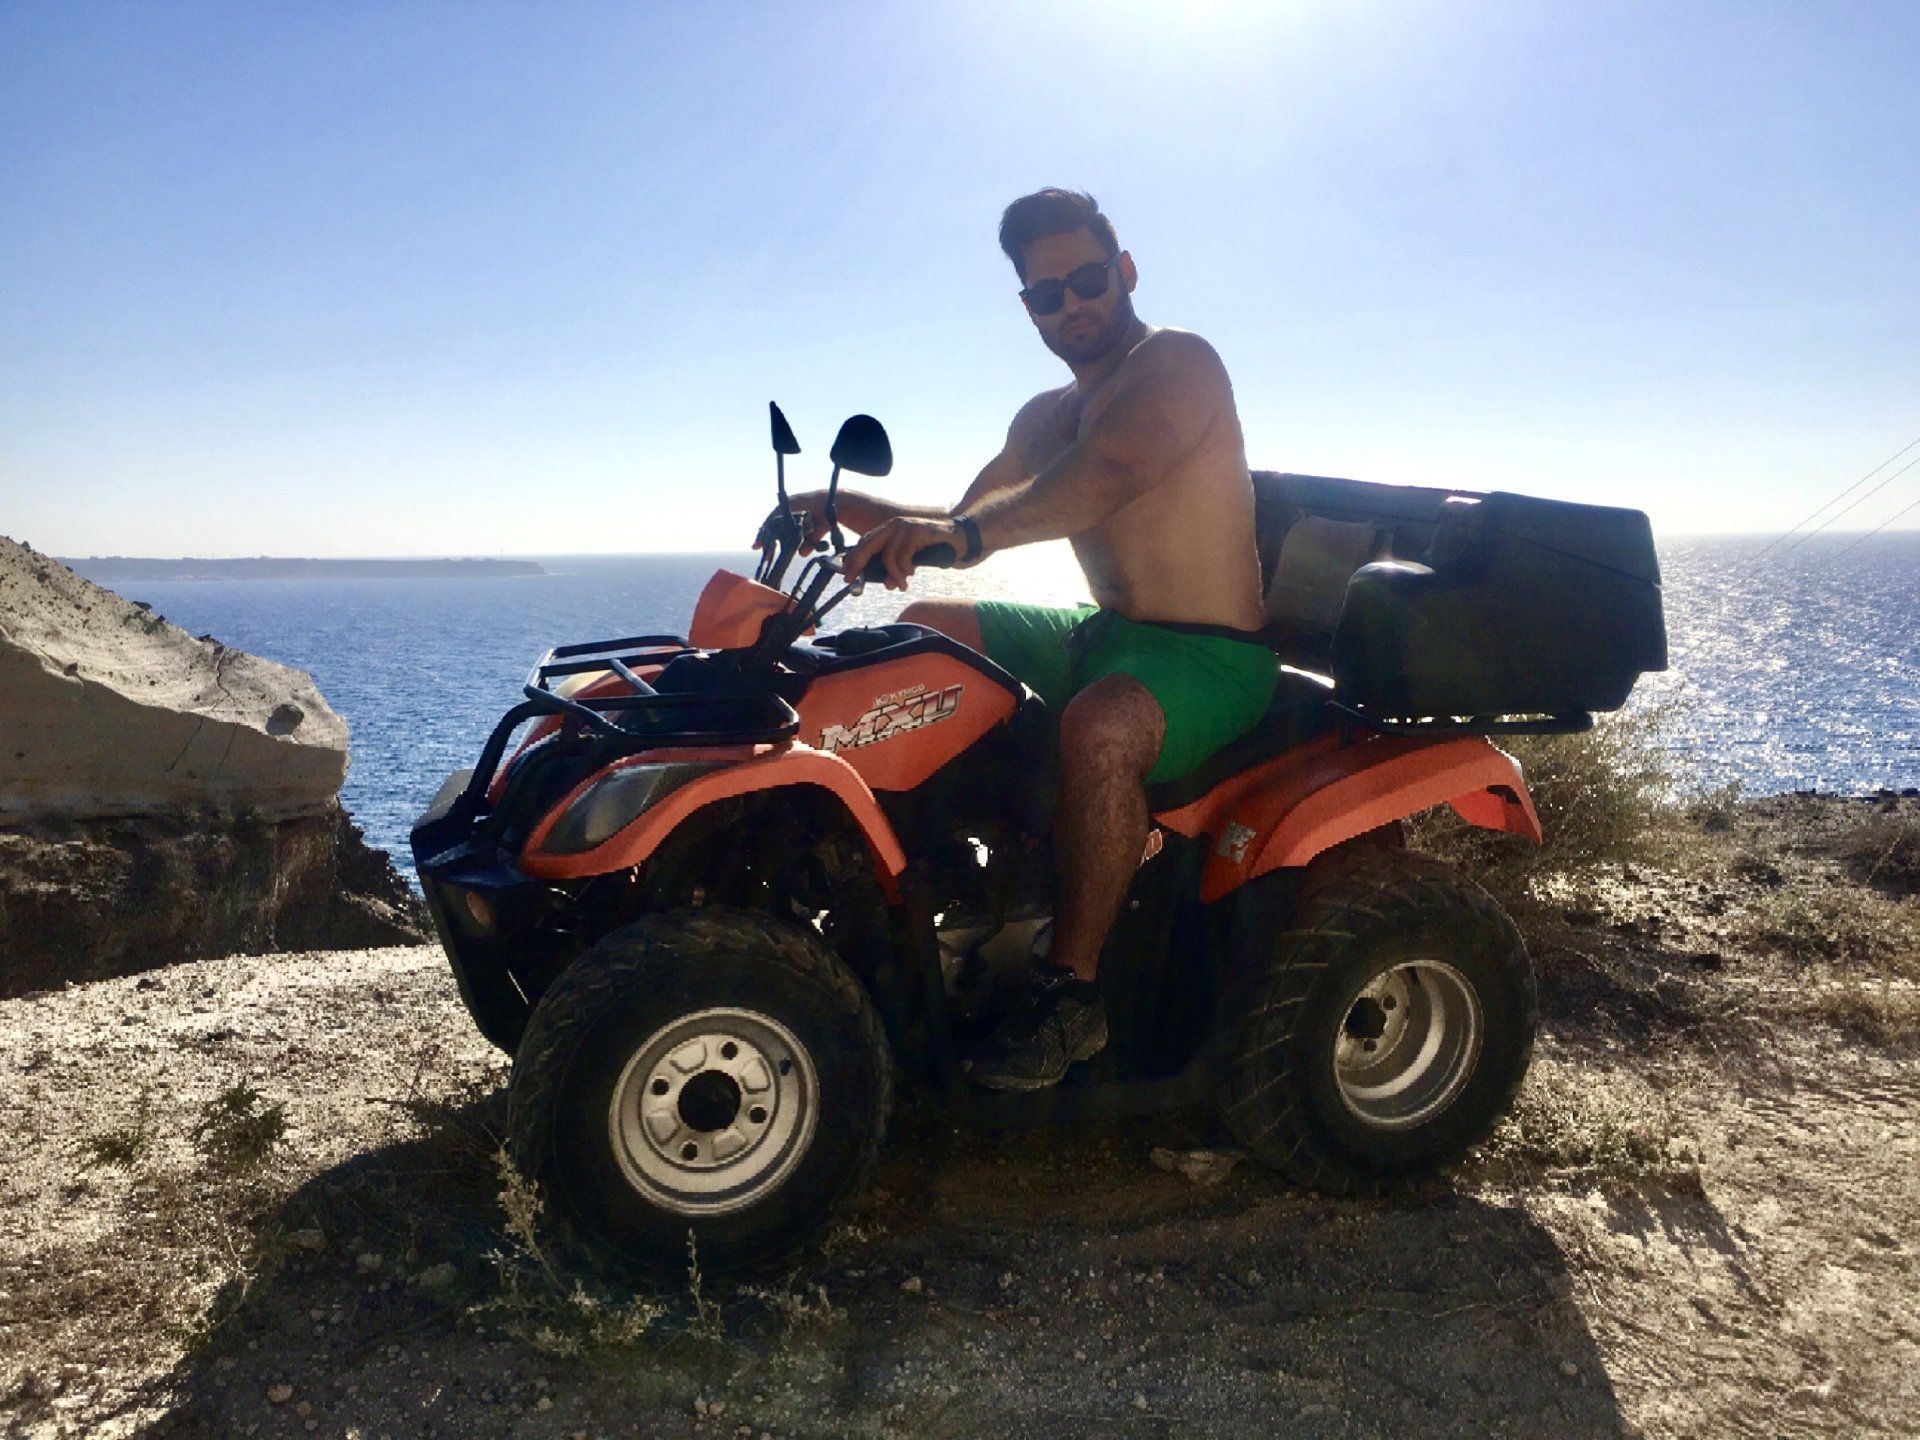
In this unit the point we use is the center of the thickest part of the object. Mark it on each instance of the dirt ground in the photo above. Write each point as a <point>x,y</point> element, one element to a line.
<point>1700,1221</point>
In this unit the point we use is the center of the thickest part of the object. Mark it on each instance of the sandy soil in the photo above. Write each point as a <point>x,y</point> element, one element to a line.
<point>1701,1221</point>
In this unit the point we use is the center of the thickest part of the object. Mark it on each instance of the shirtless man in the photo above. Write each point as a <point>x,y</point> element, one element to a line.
<point>1139,463</point>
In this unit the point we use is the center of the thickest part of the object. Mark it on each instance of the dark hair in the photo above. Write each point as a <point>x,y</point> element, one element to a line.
<point>1052,212</point>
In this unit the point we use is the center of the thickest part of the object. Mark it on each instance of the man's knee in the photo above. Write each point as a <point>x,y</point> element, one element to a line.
<point>953,618</point>
<point>1114,726</point>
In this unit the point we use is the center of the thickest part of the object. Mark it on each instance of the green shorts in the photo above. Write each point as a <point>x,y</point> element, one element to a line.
<point>1212,687</point>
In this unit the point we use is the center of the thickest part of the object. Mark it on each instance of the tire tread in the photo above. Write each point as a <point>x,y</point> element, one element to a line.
<point>1262,1098</point>
<point>586,991</point>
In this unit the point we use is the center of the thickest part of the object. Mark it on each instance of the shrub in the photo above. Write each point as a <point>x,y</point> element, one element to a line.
<point>1602,795</point>
<point>1885,853</point>
<point>124,1145</point>
<point>235,1130</point>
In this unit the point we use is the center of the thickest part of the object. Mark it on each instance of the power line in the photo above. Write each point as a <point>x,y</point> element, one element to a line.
<point>1861,501</point>
<point>1842,495</point>
<point>1876,530</point>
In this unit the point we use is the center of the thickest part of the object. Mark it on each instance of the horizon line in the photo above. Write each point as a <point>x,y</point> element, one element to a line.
<point>747,550</point>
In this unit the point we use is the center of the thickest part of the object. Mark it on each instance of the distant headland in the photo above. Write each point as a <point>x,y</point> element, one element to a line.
<point>102,569</point>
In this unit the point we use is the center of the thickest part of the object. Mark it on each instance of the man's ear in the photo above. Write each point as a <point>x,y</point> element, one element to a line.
<point>1128,274</point>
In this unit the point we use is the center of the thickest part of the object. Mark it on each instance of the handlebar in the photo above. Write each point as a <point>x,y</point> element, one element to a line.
<point>934,557</point>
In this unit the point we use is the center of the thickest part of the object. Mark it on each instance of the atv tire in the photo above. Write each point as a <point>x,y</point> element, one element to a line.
<point>1389,1030</point>
<point>709,1072</point>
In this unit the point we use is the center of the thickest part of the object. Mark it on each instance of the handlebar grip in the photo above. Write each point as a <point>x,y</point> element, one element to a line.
<point>937,557</point>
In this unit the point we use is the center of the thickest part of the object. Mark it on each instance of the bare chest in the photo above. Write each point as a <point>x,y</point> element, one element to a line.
<point>1059,424</point>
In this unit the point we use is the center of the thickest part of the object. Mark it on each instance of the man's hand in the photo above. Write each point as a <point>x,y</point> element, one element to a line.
<point>858,513</point>
<point>809,511</point>
<point>896,542</point>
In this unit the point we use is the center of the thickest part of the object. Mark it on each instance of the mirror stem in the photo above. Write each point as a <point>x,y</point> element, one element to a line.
<point>832,515</point>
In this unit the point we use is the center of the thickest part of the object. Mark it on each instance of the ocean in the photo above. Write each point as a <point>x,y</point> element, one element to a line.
<point>1796,670</point>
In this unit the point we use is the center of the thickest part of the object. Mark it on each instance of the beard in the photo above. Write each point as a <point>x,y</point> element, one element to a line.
<point>1090,345</point>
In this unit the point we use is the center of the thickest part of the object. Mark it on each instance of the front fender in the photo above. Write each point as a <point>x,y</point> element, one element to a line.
<point>758,769</point>
<point>1339,793</point>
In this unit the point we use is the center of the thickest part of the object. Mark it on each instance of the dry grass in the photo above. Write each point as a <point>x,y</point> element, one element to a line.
<point>1564,1124</point>
<point>1812,924</point>
<point>1882,1012</point>
<point>537,1301</point>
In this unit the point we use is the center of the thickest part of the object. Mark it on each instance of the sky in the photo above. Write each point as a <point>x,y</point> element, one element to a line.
<point>402,278</point>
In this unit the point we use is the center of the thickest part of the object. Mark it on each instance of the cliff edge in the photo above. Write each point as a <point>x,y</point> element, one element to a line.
<point>106,709</point>
<point>164,797</point>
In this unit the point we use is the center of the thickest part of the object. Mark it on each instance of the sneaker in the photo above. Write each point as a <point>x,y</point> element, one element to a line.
<point>1060,1022</point>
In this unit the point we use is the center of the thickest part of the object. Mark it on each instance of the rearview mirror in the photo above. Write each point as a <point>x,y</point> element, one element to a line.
<point>783,441</point>
<point>862,447</point>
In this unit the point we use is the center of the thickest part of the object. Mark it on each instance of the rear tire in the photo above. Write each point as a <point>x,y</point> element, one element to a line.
<point>1390,1028</point>
<point>709,1071</point>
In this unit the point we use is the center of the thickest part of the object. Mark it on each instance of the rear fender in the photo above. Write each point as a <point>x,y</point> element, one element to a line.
<point>747,770</point>
<point>1336,794</point>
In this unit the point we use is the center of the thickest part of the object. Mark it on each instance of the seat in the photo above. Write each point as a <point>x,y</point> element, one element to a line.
<point>1299,712</point>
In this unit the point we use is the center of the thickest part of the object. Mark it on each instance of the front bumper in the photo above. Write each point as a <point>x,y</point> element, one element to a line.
<point>502,930</point>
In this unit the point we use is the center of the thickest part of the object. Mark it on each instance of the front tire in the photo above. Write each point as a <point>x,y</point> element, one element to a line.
<point>1390,1029</point>
<point>709,1071</point>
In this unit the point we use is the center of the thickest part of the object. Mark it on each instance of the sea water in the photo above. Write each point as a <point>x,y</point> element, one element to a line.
<point>1790,670</point>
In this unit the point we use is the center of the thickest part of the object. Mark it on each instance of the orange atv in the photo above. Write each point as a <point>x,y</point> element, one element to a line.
<point>726,883</point>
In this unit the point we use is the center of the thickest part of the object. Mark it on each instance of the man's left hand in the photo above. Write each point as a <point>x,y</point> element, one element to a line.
<point>896,542</point>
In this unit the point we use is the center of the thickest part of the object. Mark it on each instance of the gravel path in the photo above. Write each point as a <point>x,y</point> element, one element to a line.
<point>1701,1222</point>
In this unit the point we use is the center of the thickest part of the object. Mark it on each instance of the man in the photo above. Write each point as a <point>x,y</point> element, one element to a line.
<point>1139,462</point>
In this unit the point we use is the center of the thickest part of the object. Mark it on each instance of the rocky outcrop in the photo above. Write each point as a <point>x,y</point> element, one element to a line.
<point>164,797</point>
<point>88,899</point>
<point>107,710</point>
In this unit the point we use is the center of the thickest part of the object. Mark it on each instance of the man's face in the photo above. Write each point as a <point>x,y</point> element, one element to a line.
<point>1081,331</point>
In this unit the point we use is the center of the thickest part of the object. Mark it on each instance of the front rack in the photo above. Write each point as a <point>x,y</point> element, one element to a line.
<point>645,716</point>
<point>639,719</point>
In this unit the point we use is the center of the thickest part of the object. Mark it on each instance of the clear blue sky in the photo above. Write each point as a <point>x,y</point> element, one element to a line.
<point>391,278</point>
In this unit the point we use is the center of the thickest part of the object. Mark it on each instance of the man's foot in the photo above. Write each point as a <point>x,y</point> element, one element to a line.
<point>1059,1022</point>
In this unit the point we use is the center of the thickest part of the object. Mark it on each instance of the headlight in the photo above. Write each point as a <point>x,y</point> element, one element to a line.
<point>614,801</point>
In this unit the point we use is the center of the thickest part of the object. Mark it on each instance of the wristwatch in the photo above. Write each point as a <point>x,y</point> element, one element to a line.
<point>970,528</point>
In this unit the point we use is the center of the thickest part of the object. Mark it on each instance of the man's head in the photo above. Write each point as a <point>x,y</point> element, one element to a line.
<point>1068,259</point>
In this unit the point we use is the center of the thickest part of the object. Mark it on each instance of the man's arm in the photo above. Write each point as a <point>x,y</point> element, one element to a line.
<point>857,511</point>
<point>1009,468</point>
<point>862,513</point>
<point>1153,421</point>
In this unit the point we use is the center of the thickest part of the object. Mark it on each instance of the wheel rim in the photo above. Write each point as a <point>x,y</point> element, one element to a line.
<point>1408,1042</point>
<point>713,1111</point>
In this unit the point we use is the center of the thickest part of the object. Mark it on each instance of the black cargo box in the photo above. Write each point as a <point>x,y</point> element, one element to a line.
<point>1425,603</point>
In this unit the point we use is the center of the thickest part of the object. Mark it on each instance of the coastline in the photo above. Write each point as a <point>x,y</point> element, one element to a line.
<point>111,569</point>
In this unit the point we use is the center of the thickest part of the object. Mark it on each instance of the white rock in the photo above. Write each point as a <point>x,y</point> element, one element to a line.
<point>111,711</point>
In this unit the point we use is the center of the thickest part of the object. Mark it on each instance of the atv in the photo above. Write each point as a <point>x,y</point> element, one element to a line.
<point>712,891</point>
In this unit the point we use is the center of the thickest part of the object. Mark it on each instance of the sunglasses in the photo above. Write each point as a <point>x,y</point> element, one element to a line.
<point>1088,281</point>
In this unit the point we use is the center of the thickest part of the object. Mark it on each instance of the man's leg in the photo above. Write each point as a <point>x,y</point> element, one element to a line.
<point>952,618</point>
<point>1109,740</point>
